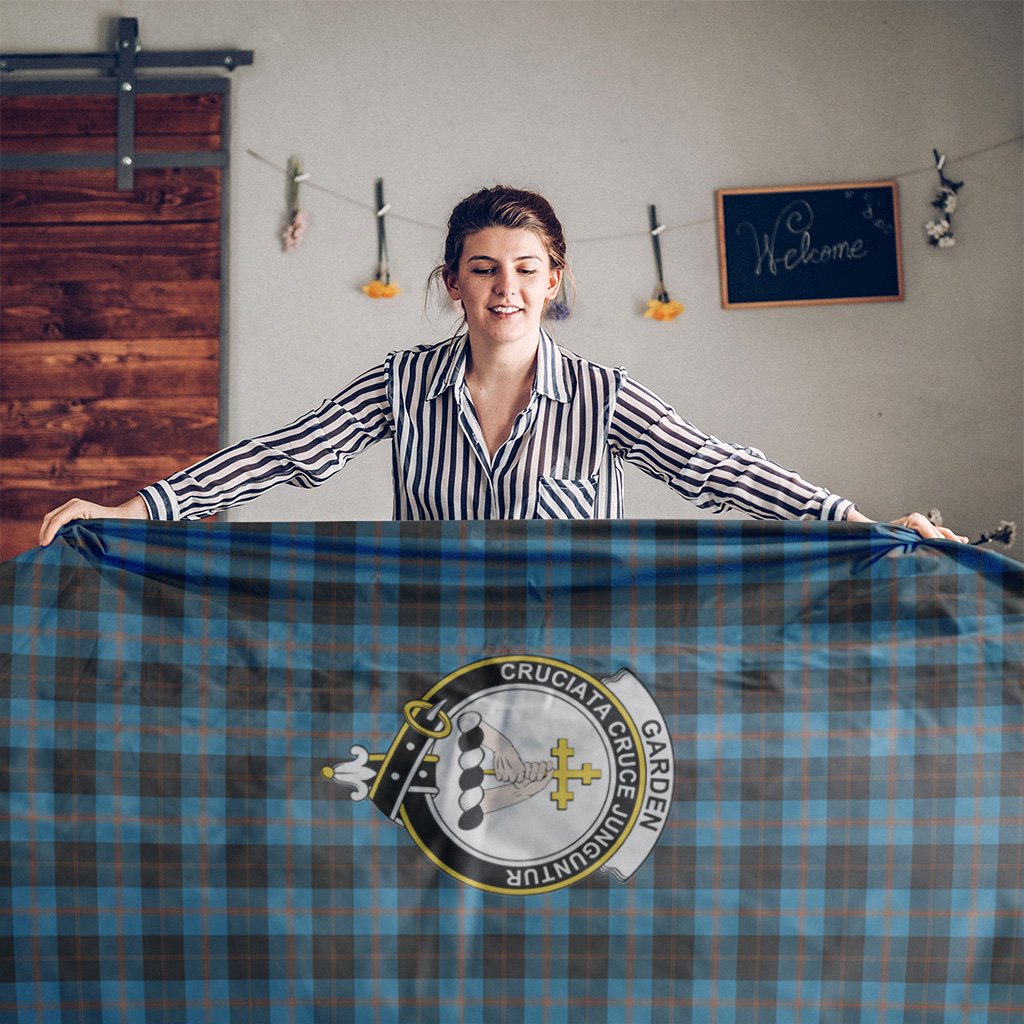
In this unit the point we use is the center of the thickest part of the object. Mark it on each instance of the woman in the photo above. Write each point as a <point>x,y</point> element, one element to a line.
<point>498,422</point>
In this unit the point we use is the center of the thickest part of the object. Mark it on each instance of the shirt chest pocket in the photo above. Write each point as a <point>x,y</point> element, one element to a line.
<point>566,498</point>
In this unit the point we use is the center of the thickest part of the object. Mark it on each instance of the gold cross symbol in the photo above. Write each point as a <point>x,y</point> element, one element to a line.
<point>564,774</point>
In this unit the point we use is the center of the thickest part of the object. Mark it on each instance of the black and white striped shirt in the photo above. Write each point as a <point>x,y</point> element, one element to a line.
<point>562,460</point>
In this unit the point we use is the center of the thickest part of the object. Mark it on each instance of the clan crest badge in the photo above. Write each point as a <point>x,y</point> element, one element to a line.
<point>522,774</point>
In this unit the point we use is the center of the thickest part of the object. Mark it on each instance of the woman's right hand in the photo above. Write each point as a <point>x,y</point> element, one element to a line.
<point>76,508</point>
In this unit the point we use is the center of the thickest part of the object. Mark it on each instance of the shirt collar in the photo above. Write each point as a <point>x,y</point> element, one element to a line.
<point>550,379</point>
<point>451,370</point>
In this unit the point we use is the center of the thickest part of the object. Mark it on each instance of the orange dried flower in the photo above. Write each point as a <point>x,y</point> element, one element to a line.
<point>380,290</point>
<point>665,311</point>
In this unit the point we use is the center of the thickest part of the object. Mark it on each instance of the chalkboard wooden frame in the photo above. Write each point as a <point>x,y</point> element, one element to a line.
<point>807,245</point>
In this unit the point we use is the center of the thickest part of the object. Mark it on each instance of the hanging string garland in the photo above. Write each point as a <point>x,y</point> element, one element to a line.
<point>381,287</point>
<point>661,307</point>
<point>940,232</point>
<point>298,218</point>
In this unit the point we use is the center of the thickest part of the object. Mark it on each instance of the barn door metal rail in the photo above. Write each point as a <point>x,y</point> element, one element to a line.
<point>122,67</point>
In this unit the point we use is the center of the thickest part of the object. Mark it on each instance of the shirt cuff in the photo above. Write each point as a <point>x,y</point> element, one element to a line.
<point>836,509</point>
<point>161,501</point>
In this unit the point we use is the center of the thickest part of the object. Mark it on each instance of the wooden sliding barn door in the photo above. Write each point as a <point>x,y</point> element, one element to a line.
<point>111,301</point>
<point>109,366</point>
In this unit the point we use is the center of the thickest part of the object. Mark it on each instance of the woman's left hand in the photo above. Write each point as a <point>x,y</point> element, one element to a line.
<point>917,522</point>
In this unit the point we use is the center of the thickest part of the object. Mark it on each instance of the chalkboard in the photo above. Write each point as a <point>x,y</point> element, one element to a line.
<point>812,244</point>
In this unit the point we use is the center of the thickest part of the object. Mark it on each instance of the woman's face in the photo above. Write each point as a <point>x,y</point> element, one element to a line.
<point>505,277</point>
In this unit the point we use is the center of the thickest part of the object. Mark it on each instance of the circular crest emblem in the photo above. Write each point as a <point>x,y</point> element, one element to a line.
<point>522,774</point>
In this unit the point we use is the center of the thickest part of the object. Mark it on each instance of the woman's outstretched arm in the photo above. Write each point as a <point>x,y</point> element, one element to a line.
<point>305,453</point>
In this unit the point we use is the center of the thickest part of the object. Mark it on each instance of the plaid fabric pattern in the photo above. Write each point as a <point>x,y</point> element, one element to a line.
<point>845,841</point>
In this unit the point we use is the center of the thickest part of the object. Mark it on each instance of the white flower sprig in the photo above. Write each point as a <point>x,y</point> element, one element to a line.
<point>1004,533</point>
<point>940,231</point>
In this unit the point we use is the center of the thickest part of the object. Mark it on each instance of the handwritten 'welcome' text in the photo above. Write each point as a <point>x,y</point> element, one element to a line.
<point>795,221</point>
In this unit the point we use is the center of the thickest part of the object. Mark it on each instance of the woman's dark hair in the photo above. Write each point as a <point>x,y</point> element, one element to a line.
<point>501,207</point>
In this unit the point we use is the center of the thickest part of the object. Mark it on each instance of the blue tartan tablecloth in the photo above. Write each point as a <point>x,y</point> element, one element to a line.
<point>521,773</point>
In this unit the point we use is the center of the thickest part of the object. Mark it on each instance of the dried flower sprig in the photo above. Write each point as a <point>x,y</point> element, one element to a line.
<point>296,229</point>
<point>558,308</point>
<point>1004,533</point>
<point>661,307</point>
<point>298,218</point>
<point>940,231</point>
<point>381,287</point>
